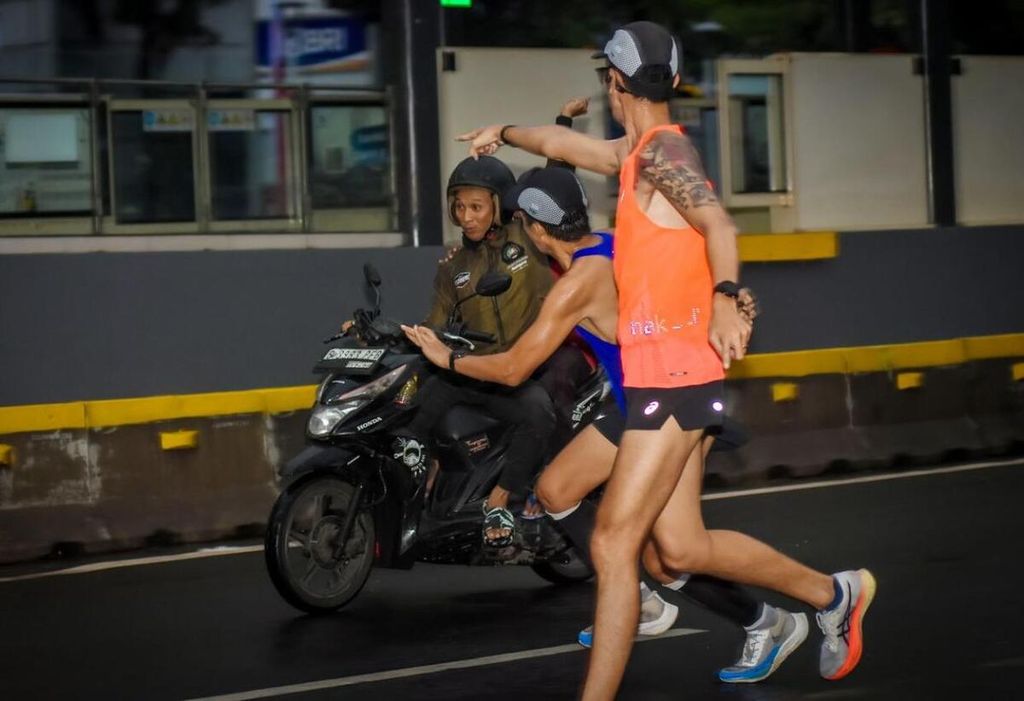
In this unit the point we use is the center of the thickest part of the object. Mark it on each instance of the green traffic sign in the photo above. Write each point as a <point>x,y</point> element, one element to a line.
<point>456,3</point>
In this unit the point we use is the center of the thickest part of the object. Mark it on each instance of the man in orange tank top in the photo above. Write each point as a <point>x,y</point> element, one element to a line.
<point>676,265</point>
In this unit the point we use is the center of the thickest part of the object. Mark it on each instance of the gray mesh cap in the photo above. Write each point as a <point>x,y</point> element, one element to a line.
<point>550,195</point>
<point>647,55</point>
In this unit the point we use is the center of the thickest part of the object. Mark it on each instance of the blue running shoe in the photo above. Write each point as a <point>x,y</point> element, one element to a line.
<point>766,648</point>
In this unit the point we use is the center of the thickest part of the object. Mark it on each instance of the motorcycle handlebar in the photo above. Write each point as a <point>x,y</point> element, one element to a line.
<point>478,336</point>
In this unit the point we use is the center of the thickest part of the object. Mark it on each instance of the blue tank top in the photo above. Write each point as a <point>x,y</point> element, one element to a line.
<point>607,353</point>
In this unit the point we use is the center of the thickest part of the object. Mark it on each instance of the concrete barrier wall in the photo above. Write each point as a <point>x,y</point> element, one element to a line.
<point>96,489</point>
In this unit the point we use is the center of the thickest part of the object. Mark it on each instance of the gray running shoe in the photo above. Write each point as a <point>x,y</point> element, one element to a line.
<point>767,648</point>
<point>844,643</point>
<point>656,617</point>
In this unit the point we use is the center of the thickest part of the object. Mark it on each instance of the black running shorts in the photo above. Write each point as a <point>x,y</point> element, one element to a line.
<point>610,422</point>
<point>699,406</point>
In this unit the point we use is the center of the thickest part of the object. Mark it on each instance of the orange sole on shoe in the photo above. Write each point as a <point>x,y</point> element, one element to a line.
<point>867,594</point>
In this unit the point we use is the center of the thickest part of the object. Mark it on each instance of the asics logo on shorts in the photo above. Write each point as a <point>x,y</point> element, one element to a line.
<point>651,408</point>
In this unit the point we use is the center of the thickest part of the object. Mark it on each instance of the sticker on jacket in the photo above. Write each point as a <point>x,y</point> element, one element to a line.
<point>511,252</point>
<point>461,280</point>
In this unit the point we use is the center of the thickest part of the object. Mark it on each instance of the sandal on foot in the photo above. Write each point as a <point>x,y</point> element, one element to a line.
<point>531,503</point>
<point>498,519</point>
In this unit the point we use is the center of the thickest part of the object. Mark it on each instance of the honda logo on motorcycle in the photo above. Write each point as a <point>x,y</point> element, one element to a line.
<point>372,422</point>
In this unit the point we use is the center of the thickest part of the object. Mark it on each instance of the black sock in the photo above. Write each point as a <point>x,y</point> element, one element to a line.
<point>727,599</point>
<point>579,526</point>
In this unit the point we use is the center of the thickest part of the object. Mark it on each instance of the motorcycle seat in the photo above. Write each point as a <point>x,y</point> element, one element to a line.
<point>465,421</point>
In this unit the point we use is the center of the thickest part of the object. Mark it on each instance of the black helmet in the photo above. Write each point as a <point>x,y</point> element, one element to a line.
<point>486,172</point>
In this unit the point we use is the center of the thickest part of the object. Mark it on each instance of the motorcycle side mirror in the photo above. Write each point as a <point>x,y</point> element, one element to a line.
<point>493,284</point>
<point>371,275</point>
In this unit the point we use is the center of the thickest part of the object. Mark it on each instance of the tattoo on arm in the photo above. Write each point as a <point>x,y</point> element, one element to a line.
<point>671,163</point>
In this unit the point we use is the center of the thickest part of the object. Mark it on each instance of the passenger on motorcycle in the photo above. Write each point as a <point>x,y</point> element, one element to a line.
<point>490,243</point>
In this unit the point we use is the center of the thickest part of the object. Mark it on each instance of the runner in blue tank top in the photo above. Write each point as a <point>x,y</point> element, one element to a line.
<point>553,205</point>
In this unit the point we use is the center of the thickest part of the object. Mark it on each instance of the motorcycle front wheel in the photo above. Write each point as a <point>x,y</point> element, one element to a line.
<point>307,563</point>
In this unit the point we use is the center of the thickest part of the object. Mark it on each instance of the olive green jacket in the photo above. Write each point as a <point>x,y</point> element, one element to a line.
<point>508,250</point>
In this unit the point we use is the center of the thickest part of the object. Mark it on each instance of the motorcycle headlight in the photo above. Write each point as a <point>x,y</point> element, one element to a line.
<point>325,419</point>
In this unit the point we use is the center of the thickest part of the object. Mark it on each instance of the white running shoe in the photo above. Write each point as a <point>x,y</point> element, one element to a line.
<point>844,641</point>
<point>656,617</point>
<point>766,648</point>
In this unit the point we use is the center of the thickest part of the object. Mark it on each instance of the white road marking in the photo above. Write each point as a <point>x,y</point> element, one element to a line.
<point>134,562</point>
<point>422,670</point>
<point>842,482</point>
<point>821,484</point>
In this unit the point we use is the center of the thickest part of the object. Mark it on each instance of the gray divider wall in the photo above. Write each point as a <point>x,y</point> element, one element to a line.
<point>107,325</point>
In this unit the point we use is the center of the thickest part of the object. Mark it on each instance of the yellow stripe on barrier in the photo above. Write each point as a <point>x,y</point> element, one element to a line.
<point>904,356</point>
<point>766,248</point>
<point>42,417</point>
<point>123,412</point>
<point>280,400</point>
<point>985,347</point>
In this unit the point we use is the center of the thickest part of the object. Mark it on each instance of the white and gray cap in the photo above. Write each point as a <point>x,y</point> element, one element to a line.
<point>550,195</point>
<point>647,55</point>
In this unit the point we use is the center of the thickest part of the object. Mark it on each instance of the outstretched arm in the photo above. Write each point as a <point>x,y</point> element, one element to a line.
<point>563,309</point>
<point>671,164</point>
<point>574,107</point>
<point>551,141</point>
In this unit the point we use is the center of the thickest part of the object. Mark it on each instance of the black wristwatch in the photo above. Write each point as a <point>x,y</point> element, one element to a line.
<point>728,288</point>
<point>501,134</point>
<point>455,355</point>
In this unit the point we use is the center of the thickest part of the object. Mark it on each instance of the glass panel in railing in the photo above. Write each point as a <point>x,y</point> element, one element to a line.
<point>250,164</point>
<point>154,180</point>
<point>45,161</point>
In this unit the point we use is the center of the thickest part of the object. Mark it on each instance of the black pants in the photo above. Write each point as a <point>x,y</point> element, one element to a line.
<point>526,408</point>
<point>562,375</point>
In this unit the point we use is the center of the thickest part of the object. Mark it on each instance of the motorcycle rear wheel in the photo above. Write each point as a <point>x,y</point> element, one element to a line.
<point>309,568</point>
<point>568,568</point>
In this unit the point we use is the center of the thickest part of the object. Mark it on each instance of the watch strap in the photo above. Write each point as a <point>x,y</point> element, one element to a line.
<point>728,288</point>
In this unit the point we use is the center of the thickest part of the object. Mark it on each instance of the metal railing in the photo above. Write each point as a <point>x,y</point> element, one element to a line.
<point>252,156</point>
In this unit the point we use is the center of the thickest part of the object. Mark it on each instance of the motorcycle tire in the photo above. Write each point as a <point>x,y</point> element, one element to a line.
<point>303,557</point>
<point>569,568</point>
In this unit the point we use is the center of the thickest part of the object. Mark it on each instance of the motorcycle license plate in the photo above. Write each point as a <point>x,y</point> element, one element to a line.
<point>352,361</point>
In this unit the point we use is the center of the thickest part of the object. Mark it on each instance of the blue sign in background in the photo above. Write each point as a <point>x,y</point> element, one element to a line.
<point>312,41</point>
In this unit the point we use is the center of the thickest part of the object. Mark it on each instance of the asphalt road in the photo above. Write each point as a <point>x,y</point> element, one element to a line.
<point>946,548</point>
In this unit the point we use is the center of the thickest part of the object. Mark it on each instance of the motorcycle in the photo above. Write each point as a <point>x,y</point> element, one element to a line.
<point>360,494</point>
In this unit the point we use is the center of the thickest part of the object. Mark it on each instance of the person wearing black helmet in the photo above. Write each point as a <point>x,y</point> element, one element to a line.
<point>490,242</point>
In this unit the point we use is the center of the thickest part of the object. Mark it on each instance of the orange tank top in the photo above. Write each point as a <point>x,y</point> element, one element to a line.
<point>665,289</point>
